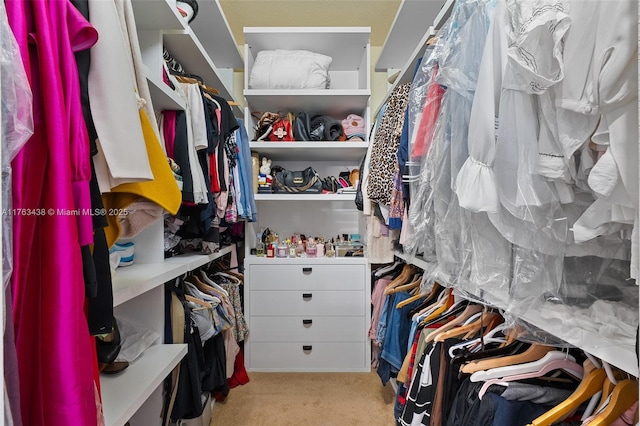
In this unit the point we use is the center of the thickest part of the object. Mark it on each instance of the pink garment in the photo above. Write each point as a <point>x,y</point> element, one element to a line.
<point>429,119</point>
<point>52,172</point>
<point>377,300</point>
<point>626,419</point>
<point>169,131</point>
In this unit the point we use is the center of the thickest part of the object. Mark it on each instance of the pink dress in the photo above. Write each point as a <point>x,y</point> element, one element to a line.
<point>51,175</point>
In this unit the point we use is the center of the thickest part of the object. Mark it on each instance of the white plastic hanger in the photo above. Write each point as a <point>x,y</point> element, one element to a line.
<point>486,339</point>
<point>383,270</point>
<point>212,283</point>
<point>529,367</point>
<point>563,364</point>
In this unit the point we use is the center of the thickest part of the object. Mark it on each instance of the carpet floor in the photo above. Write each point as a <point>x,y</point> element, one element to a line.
<point>307,399</point>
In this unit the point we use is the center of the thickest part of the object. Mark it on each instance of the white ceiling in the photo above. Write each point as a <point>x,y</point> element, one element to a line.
<point>377,14</point>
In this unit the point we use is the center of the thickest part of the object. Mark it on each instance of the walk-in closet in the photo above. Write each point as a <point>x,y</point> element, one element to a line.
<point>294,212</point>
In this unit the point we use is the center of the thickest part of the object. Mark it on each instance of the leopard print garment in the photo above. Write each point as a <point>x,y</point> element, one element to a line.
<point>385,146</point>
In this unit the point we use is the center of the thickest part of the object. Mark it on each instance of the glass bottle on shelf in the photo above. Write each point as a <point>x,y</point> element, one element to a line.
<point>292,248</point>
<point>270,250</point>
<point>300,250</point>
<point>311,247</point>
<point>282,249</point>
<point>320,247</point>
<point>328,249</point>
<point>259,246</point>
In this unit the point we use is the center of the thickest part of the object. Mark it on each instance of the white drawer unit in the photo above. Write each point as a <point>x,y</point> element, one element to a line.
<point>309,356</point>
<point>307,316</point>
<point>310,328</point>
<point>307,302</point>
<point>309,277</point>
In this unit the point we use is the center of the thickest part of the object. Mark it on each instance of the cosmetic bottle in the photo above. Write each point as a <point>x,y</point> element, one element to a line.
<point>259,246</point>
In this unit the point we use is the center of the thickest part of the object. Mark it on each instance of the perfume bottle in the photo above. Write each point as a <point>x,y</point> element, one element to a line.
<point>320,248</point>
<point>300,250</point>
<point>282,249</point>
<point>259,246</point>
<point>292,248</point>
<point>270,250</point>
<point>328,250</point>
<point>311,247</point>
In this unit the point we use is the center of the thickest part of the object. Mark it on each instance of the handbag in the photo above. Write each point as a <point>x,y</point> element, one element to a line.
<point>330,184</point>
<point>293,182</point>
<point>302,127</point>
<point>326,128</point>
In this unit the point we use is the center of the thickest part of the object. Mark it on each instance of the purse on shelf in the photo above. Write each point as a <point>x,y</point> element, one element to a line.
<point>330,184</point>
<point>326,128</point>
<point>274,128</point>
<point>296,182</point>
<point>302,127</point>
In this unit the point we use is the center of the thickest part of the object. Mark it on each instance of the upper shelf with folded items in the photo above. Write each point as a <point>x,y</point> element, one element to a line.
<point>299,68</point>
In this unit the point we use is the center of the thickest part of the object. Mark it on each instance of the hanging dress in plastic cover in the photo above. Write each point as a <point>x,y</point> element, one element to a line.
<point>458,72</point>
<point>598,125</point>
<point>454,64</point>
<point>423,107</point>
<point>17,127</point>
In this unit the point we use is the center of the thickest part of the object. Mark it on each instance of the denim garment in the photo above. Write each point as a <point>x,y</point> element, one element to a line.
<point>394,347</point>
<point>511,413</point>
<point>382,324</point>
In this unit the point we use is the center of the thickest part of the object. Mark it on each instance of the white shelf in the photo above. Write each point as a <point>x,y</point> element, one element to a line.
<point>123,394</point>
<point>407,71</point>
<point>415,260</point>
<point>157,15</point>
<point>254,260</point>
<point>443,15</point>
<point>185,47</point>
<point>134,280</point>
<point>407,29</point>
<point>305,197</point>
<point>213,31</point>
<point>338,42</point>
<point>317,151</point>
<point>337,103</point>
<point>616,355</point>
<point>163,97</point>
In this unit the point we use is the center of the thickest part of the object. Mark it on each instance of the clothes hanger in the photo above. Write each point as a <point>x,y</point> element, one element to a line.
<point>404,276</point>
<point>474,326</point>
<point>534,369</point>
<point>415,282</point>
<point>469,310</point>
<point>533,353</point>
<point>198,301</point>
<point>487,338</point>
<point>206,284</point>
<point>590,384</point>
<point>444,302</point>
<point>493,323</point>
<point>385,269</point>
<point>454,310</point>
<point>609,384</point>
<point>436,290</point>
<point>623,396</point>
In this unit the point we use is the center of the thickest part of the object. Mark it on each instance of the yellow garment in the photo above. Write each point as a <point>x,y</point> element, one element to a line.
<point>162,190</point>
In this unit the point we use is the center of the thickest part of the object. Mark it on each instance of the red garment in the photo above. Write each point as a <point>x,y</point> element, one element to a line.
<point>240,376</point>
<point>430,112</point>
<point>169,131</point>
<point>51,175</point>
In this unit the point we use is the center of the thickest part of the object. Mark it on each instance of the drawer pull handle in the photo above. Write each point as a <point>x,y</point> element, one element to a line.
<point>307,295</point>
<point>307,347</point>
<point>307,321</point>
<point>307,270</point>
